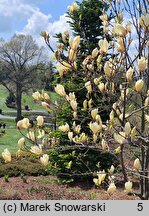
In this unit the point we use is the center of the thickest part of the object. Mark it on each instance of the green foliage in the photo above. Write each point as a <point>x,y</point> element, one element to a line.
<point>24,167</point>
<point>86,23</point>
<point>79,163</point>
<point>6,178</point>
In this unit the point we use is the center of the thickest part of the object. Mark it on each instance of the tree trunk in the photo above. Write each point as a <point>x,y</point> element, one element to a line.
<point>19,102</point>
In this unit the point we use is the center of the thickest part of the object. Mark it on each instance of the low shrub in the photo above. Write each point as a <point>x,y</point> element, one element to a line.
<point>79,163</point>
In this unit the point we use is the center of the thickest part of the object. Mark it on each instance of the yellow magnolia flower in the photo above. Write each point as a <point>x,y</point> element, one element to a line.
<point>133,133</point>
<point>139,85</point>
<point>104,17</point>
<point>21,142</point>
<point>111,116</point>
<point>95,127</point>
<point>142,64</point>
<point>64,128</point>
<point>112,188</point>
<point>120,138</point>
<point>63,67</point>
<point>108,69</point>
<point>103,145</point>
<point>6,155</point>
<point>147,117</point>
<point>70,136</point>
<point>120,45</point>
<point>101,86</point>
<point>72,96</point>
<point>77,129</point>
<point>46,105</point>
<point>31,135</point>
<point>36,150</point>
<point>111,170</point>
<point>73,104</point>
<point>44,160</point>
<point>101,177</point>
<point>41,134</point>
<point>40,120</point>
<point>146,102</point>
<point>72,7</point>
<point>72,55</point>
<point>128,187</point>
<point>103,44</point>
<point>129,74</point>
<point>94,112</point>
<point>144,21</point>
<point>75,115</point>
<point>137,164</point>
<point>119,30</point>
<point>46,96</point>
<point>36,95</point>
<point>118,150</point>
<point>85,105</point>
<point>95,52</point>
<point>88,86</point>
<point>74,43</point>
<point>25,123</point>
<point>19,124</point>
<point>127,128</point>
<point>60,90</point>
<point>90,103</point>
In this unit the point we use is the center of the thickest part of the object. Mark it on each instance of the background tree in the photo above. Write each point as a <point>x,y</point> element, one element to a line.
<point>84,20</point>
<point>20,61</point>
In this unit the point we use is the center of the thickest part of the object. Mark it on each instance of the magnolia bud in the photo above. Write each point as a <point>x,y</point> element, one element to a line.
<point>88,86</point>
<point>103,44</point>
<point>44,160</point>
<point>128,187</point>
<point>103,145</point>
<point>36,95</point>
<point>139,85</point>
<point>112,188</point>
<point>21,142</point>
<point>142,64</point>
<point>64,128</point>
<point>147,117</point>
<point>129,74</point>
<point>60,90</point>
<point>127,128</point>
<point>75,43</point>
<point>101,87</point>
<point>120,138</point>
<point>36,150</point>
<point>95,52</point>
<point>40,120</point>
<point>70,136</point>
<point>73,104</point>
<point>6,155</point>
<point>25,123</point>
<point>94,112</point>
<point>119,30</point>
<point>137,164</point>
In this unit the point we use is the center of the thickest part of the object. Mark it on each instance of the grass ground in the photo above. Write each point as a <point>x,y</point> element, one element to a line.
<point>10,138</point>
<point>26,100</point>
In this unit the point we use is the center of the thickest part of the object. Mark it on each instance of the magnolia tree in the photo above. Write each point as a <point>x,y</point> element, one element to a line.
<point>128,122</point>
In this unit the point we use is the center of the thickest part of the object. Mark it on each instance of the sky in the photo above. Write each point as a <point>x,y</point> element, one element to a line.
<point>32,17</point>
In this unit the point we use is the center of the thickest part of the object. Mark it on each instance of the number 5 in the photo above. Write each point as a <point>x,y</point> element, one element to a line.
<point>140,207</point>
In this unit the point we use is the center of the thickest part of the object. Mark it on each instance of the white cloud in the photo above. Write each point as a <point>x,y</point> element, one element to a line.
<point>36,23</point>
<point>40,22</point>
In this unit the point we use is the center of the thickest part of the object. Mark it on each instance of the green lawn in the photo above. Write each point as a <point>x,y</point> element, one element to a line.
<point>9,140</point>
<point>26,100</point>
